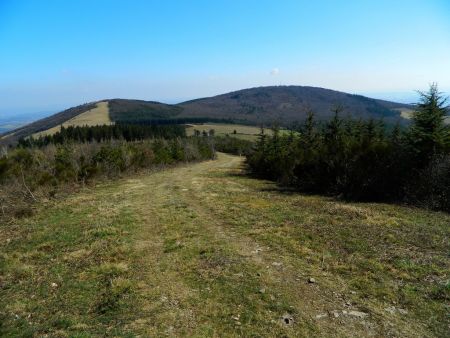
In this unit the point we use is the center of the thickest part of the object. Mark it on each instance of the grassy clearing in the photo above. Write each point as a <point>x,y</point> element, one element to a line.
<point>94,117</point>
<point>202,250</point>
<point>242,131</point>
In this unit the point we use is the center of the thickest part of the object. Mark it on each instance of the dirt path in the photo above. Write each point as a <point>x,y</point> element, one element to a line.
<point>202,250</point>
<point>206,271</point>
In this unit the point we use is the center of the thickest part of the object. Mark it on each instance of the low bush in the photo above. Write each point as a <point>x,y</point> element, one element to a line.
<point>233,145</point>
<point>30,174</point>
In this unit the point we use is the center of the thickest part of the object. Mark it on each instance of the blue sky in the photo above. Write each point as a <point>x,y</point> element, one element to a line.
<point>55,54</point>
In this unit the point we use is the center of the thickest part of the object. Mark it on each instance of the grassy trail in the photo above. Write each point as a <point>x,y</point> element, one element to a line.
<point>203,251</point>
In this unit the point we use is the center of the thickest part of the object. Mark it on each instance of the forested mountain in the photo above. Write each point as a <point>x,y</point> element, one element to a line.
<point>289,103</point>
<point>121,110</point>
<point>262,105</point>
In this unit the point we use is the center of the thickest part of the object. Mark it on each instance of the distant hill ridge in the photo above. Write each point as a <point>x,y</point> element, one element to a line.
<point>260,105</point>
<point>289,103</point>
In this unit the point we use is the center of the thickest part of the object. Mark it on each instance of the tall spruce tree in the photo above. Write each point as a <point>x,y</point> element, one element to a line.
<point>429,135</point>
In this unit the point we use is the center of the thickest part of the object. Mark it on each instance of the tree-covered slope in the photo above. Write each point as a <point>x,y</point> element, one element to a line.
<point>289,103</point>
<point>282,104</point>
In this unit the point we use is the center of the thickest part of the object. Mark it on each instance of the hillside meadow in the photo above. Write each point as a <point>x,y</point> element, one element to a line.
<point>222,129</point>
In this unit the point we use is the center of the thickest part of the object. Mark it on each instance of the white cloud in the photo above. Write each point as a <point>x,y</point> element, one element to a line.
<point>66,71</point>
<point>275,72</point>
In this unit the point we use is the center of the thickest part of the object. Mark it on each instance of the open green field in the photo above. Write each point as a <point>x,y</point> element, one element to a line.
<point>222,129</point>
<point>204,251</point>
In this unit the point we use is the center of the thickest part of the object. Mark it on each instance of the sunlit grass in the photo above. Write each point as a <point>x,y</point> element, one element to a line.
<point>202,250</point>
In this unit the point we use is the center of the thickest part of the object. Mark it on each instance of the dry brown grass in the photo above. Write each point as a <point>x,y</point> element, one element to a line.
<point>94,117</point>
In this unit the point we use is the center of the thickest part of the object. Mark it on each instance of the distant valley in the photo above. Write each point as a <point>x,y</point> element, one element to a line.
<point>13,121</point>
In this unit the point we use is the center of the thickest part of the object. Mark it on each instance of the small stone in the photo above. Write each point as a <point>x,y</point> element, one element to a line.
<point>390,309</point>
<point>322,315</point>
<point>54,285</point>
<point>358,314</point>
<point>393,309</point>
<point>402,311</point>
<point>335,314</point>
<point>262,290</point>
<point>353,292</point>
<point>277,264</point>
<point>311,280</point>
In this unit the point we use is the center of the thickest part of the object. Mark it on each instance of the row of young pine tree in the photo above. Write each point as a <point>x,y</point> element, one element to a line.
<point>364,161</point>
<point>119,131</point>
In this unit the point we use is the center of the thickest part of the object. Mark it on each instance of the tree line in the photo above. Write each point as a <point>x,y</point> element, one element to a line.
<point>144,120</point>
<point>119,131</point>
<point>363,160</point>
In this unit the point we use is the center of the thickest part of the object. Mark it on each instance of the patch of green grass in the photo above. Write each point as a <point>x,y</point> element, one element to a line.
<point>64,272</point>
<point>214,282</point>
<point>387,254</point>
<point>240,131</point>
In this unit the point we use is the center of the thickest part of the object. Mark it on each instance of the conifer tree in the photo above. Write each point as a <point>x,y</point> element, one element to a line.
<point>429,135</point>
